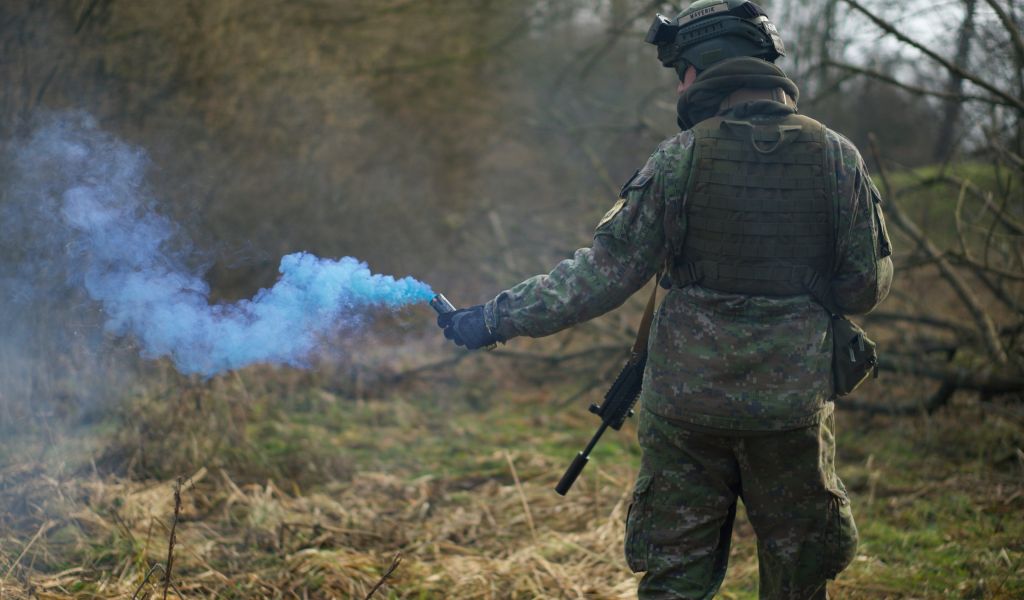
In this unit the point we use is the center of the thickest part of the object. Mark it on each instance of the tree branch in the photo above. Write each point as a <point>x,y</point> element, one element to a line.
<point>1011,28</point>
<point>890,29</point>
<point>985,325</point>
<point>613,38</point>
<point>911,88</point>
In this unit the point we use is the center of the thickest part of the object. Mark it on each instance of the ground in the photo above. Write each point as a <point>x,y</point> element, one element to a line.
<point>293,488</point>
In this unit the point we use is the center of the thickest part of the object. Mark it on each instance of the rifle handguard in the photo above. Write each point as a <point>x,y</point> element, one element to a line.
<point>622,395</point>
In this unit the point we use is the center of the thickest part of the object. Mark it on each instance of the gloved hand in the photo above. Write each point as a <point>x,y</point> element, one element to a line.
<point>466,327</point>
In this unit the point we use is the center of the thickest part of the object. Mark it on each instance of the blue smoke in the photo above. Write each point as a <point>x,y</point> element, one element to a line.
<point>90,189</point>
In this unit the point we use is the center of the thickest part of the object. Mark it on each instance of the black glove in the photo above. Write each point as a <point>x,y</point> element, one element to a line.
<point>466,327</point>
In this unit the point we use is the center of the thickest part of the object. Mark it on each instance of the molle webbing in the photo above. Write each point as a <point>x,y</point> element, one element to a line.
<point>759,210</point>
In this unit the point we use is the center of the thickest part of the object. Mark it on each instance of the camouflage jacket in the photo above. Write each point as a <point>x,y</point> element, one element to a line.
<point>716,360</point>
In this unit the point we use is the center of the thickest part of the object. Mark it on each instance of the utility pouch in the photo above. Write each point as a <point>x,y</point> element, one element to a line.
<point>854,355</point>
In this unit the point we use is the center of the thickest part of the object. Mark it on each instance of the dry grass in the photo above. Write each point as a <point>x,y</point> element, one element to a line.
<point>461,537</point>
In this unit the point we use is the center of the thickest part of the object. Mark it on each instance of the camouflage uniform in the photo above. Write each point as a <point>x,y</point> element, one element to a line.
<point>737,392</point>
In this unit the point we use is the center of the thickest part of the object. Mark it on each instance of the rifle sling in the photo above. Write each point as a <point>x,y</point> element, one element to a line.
<point>643,334</point>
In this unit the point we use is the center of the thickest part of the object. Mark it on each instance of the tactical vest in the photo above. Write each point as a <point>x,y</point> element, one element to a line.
<point>760,208</point>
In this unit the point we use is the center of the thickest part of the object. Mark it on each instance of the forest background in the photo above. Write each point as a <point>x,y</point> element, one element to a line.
<point>473,144</point>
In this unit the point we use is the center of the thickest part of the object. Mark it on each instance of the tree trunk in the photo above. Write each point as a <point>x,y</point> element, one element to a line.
<point>947,142</point>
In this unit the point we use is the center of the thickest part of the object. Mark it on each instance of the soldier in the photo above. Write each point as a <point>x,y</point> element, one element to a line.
<point>760,217</point>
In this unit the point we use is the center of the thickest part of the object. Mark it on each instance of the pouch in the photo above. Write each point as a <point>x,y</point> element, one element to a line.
<point>854,355</point>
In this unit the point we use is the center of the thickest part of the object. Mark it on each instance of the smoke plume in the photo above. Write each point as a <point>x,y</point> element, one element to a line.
<point>79,195</point>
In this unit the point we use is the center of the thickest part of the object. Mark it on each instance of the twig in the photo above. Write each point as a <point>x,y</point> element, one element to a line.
<point>1011,28</point>
<point>613,38</point>
<point>145,580</point>
<point>85,16</point>
<point>1000,294</point>
<point>25,550</point>
<point>986,197</point>
<point>171,538</point>
<point>952,68</point>
<point>1015,159</point>
<point>397,560</point>
<point>591,384</point>
<point>992,227</point>
<point>958,219</point>
<point>522,496</point>
<point>970,262</point>
<point>592,155</point>
<point>913,89</point>
<point>984,323</point>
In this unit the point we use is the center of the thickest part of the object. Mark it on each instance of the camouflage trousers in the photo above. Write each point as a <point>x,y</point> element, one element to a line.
<point>684,504</point>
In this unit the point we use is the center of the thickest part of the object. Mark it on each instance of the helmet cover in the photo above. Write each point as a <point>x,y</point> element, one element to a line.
<point>709,31</point>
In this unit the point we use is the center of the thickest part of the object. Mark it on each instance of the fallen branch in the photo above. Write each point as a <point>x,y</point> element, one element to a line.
<point>957,328</point>
<point>961,378</point>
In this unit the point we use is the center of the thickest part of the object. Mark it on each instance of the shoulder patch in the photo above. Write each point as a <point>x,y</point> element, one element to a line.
<point>625,186</point>
<point>640,179</point>
<point>615,209</point>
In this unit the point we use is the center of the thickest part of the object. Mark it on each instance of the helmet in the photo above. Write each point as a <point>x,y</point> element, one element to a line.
<point>709,31</point>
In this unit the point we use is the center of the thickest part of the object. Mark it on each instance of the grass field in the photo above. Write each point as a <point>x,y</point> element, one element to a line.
<point>293,488</point>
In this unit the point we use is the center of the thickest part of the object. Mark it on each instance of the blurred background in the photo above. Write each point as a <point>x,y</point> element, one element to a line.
<point>472,144</point>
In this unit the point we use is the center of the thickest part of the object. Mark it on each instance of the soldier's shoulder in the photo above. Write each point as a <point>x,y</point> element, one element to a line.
<point>670,157</point>
<point>844,152</point>
<point>851,171</point>
<point>676,145</point>
<point>670,152</point>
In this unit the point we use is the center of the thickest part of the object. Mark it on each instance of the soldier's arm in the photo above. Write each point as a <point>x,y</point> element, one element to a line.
<point>863,249</point>
<point>627,250</point>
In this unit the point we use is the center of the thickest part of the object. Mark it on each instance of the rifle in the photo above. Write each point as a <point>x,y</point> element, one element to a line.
<point>620,397</point>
